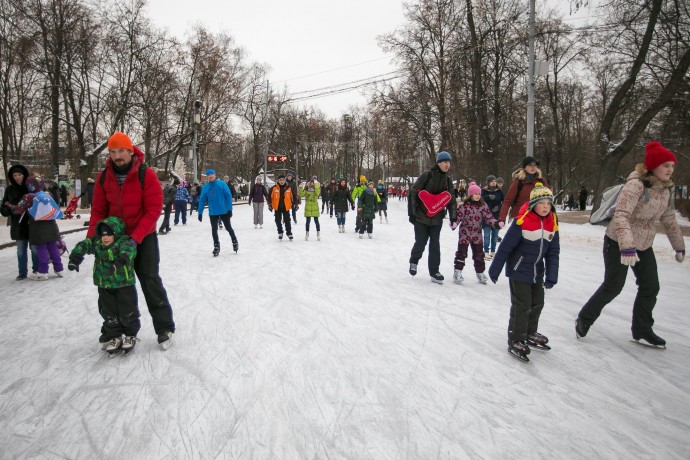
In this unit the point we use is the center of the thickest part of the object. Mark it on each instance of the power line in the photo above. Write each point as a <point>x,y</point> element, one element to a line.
<point>332,70</point>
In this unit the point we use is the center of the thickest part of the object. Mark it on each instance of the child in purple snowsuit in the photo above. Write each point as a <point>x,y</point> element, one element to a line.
<point>471,214</point>
<point>44,235</point>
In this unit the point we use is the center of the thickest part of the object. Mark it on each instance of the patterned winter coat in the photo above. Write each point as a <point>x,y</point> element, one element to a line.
<point>114,264</point>
<point>367,201</point>
<point>518,194</point>
<point>644,199</point>
<point>181,194</point>
<point>40,231</point>
<point>311,203</point>
<point>169,194</point>
<point>530,249</point>
<point>471,216</point>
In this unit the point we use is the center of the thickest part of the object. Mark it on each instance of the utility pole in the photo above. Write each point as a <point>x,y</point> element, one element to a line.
<point>266,132</point>
<point>196,120</point>
<point>530,83</point>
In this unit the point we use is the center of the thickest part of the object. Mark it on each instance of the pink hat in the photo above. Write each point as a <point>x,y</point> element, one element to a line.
<point>474,189</point>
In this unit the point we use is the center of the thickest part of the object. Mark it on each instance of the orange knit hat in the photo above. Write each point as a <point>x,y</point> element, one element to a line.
<point>120,141</point>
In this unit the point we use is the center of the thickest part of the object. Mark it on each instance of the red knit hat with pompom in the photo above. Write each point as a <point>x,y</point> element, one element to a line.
<point>656,155</point>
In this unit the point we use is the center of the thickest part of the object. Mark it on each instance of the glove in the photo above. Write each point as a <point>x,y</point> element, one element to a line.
<point>270,208</point>
<point>494,279</point>
<point>680,255</point>
<point>74,261</point>
<point>454,224</point>
<point>121,261</point>
<point>412,220</point>
<point>229,213</point>
<point>200,217</point>
<point>548,284</point>
<point>629,257</point>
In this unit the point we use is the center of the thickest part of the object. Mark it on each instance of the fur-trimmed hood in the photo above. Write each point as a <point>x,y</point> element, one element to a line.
<point>648,178</point>
<point>520,174</point>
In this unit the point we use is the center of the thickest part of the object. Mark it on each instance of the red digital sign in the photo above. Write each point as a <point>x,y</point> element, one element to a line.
<point>276,158</point>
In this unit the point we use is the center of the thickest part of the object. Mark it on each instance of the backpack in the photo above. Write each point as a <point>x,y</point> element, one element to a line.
<point>142,175</point>
<point>609,202</point>
<point>44,207</point>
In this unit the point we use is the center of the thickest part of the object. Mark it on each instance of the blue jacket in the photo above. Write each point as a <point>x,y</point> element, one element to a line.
<point>182,194</point>
<point>218,196</point>
<point>529,250</point>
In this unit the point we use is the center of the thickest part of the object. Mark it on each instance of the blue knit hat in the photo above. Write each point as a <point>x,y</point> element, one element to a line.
<point>442,156</point>
<point>210,171</point>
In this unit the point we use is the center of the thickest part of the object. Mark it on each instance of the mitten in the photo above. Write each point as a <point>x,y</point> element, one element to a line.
<point>74,261</point>
<point>494,279</point>
<point>680,255</point>
<point>121,261</point>
<point>548,284</point>
<point>454,224</point>
<point>200,217</point>
<point>629,257</point>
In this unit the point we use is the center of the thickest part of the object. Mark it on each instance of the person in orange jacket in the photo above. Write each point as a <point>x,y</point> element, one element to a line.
<point>282,201</point>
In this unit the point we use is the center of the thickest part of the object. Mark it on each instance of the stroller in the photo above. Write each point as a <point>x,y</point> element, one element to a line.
<point>71,208</point>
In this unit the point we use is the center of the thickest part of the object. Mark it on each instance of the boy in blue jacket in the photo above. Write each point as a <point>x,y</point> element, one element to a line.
<point>219,198</point>
<point>530,250</point>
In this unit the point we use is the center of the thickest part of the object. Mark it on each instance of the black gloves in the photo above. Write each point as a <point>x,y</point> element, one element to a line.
<point>200,216</point>
<point>74,261</point>
<point>121,261</point>
<point>548,284</point>
<point>412,220</point>
<point>229,213</point>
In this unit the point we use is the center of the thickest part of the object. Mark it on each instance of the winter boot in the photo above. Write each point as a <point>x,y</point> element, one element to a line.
<point>437,278</point>
<point>488,255</point>
<point>581,328</point>
<point>20,277</point>
<point>651,338</point>
<point>318,236</point>
<point>482,278</point>
<point>413,269</point>
<point>457,276</point>
<point>306,236</point>
<point>165,340</point>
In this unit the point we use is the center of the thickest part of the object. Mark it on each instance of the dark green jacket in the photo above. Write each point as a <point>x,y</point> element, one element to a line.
<point>114,264</point>
<point>368,202</point>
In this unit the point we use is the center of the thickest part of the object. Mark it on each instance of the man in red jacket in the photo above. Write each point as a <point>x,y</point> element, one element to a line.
<point>138,202</point>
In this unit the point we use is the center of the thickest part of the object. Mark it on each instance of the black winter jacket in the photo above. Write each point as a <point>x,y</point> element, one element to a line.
<point>340,199</point>
<point>433,181</point>
<point>19,230</point>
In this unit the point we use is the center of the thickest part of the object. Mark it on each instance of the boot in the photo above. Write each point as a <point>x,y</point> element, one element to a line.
<point>369,235</point>
<point>457,276</point>
<point>318,236</point>
<point>306,236</point>
<point>386,219</point>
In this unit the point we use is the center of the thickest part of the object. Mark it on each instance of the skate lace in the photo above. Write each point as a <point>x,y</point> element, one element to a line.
<point>129,341</point>
<point>538,338</point>
<point>114,344</point>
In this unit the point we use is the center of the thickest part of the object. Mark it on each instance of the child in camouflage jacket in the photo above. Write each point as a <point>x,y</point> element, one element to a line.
<point>113,273</point>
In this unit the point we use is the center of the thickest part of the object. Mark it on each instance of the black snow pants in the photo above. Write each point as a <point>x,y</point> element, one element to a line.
<point>422,234</point>
<point>526,304</point>
<point>119,310</point>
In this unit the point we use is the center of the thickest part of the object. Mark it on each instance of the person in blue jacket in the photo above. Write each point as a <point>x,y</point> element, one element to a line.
<point>530,251</point>
<point>219,198</point>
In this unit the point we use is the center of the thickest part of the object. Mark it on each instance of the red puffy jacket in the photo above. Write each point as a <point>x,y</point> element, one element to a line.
<point>138,208</point>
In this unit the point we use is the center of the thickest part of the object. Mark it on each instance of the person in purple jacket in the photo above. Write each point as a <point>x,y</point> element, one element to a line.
<point>258,195</point>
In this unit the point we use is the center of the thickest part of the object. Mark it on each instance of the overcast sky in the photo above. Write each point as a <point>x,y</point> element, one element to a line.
<point>308,44</point>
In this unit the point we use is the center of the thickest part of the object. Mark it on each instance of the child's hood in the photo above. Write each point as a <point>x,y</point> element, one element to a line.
<point>115,223</point>
<point>34,184</point>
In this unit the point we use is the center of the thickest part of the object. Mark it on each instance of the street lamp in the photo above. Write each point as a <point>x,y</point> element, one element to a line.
<point>195,125</point>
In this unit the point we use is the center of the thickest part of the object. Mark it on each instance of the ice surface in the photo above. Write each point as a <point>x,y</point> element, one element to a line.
<point>330,349</point>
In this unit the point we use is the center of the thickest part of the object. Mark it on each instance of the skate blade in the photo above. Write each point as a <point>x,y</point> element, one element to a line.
<point>648,345</point>
<point>538,346</point>
<point>434,280</point>
<point>113,354</point>
<point>166,345</point>
<point>516,355</point>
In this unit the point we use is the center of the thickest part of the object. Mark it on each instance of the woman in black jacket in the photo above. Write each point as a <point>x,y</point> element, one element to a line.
<point>339,200</point>
<point>19,227</point>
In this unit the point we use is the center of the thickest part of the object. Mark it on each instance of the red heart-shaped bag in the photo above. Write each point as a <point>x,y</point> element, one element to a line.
<point>433,204</point>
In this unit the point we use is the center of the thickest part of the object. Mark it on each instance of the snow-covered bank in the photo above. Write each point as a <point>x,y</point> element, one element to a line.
<point>329,349</point>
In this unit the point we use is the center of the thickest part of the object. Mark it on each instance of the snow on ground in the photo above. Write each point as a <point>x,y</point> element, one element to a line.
<point>330,349</point>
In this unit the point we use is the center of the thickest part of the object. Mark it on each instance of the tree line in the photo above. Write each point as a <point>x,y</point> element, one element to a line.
<point>74,71</point>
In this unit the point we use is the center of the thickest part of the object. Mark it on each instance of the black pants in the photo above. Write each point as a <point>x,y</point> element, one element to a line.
<point>166,217</point>
<point>358,221</point>
<point>477,256</point>
<point>146,266</point>
<point>324,204</point>
<point>283,216</point>
<point>119,310</point>
<point>368,225</point>
<point>615,272</point>
<point>422,234</point>
<point>225,218</point>
<point>526,304</point>
<point>294,215</point>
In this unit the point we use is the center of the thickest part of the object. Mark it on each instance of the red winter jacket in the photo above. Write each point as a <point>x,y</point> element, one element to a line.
<point>138,208</point>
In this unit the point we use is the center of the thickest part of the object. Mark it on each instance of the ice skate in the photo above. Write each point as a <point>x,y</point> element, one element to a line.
<point>128,344</point>
<point>437,278</point>
<point>581,328</point>
<point>413,269</point>
<point>59,273</point>
<point>38,276</point>
<point>306,236</point>
<point>290,237</point>
<point>165,340</point>
<point>386,219</point>
<point>650,339</point>
<point>482,278</point>
<point>216,251</point>
<point>235,246</point>
<point>361,235</point>
<point>280,236</point>
<point>318,236</point>
<point>114,346</point>
<point>538,341</point>
<point>519,350</point>
<point>457,276</point>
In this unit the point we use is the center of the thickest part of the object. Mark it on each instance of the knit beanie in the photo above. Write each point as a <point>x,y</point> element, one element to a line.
<point>363,179</point>
<point>490,179</point>
<point>120,141</point>
<point>656,154</point>
<point>499,180</point>
<point>442,156</point>
<point>538,193</point>
<point>105,230</point>
<point>474,189</point>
